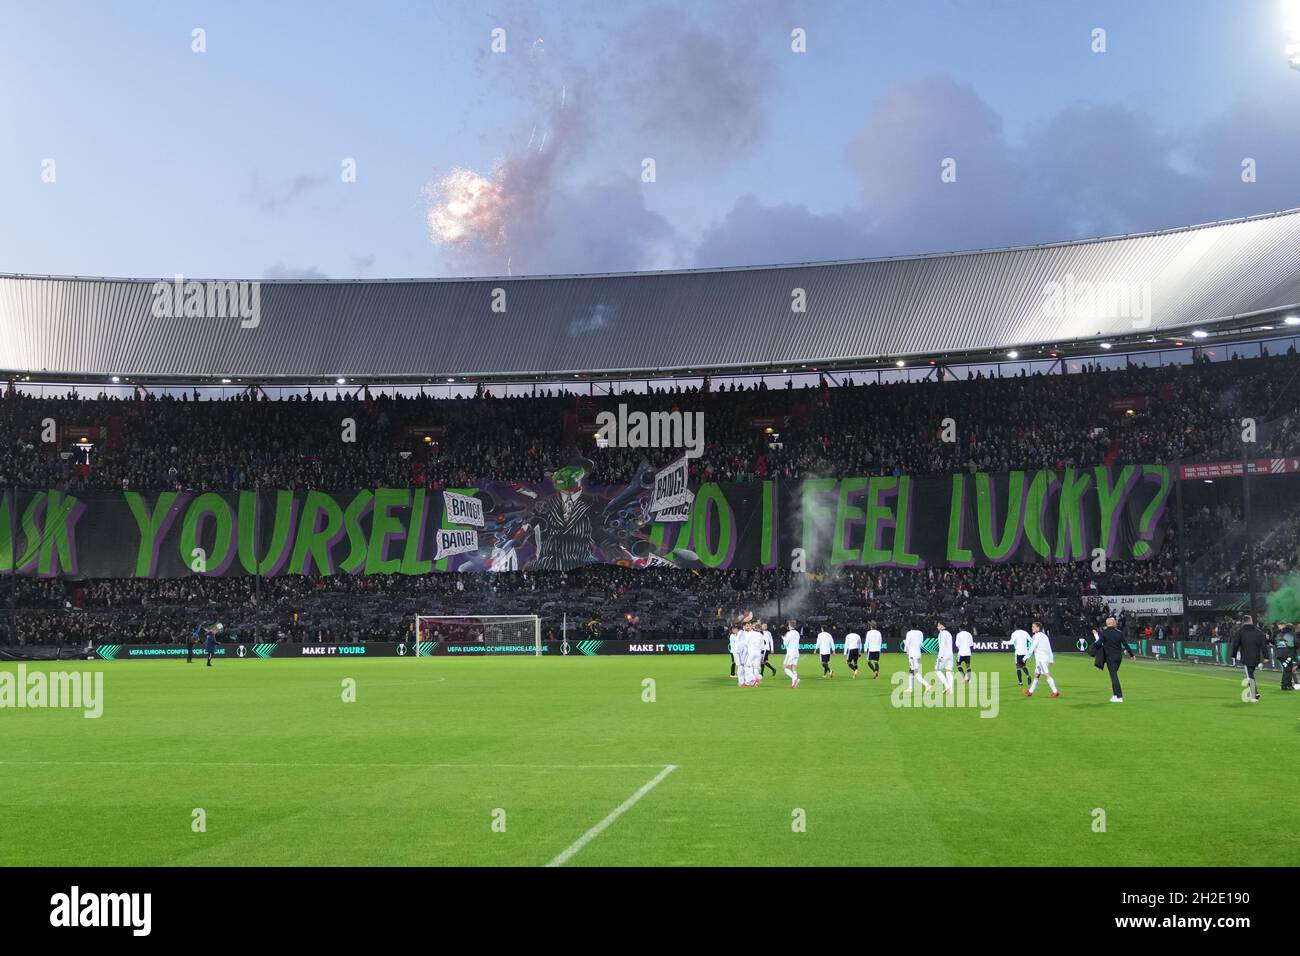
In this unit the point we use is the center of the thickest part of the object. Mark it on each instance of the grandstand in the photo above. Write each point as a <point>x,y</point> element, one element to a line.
<point>1165,343</point>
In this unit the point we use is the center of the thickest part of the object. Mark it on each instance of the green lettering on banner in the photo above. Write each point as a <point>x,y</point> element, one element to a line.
<point>1110,499</point>
<point>813,512</point>
<point>876,514</point>
<point>767,549</point>
<point>844,513</point>
<point>1040,488</point>
<point>149,524</point>
<point>993,548</point>
<point>58,512</point>
<point>31,530</point>
<point>6,539</point>
<point>710,495</point>
<point>281,531</point>
<point>312,541</point>
<point>382,524</point>
<point>1069,524</point>
<point>411,563</point>
<point>902,557</point>
<point>357,544</point>
<point>212,504</point>
<point>1141,548</point>
<point>659,531</point>
<point>956,515</point>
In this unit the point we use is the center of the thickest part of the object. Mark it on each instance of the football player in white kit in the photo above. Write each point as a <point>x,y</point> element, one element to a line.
<point>874,642</point>
<point>943,662</point>
<point>768,647</point>
<point>852,651</point>
<point>733,648</point>
<point>826,650</point>
<point>791,644</point>
<point>1040,645</point>
<point>753,655</point>
<point>912,647</point>
<point>1020,646</point>
<point>965,643</point>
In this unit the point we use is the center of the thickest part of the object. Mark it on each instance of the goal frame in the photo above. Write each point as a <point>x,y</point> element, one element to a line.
<point>536,621</point>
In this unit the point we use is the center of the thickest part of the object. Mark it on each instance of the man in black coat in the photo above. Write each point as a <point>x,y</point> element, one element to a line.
<point>1110,650</point>
<point>1252,644</point>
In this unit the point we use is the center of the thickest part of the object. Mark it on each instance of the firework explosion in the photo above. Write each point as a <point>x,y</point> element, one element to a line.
<point>465,208</point>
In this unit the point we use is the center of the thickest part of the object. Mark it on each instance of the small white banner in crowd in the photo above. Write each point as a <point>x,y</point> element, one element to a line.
<point>462,509</point>
<point>671,494</point>
<point>455,542</point>
<point>1157,605</point>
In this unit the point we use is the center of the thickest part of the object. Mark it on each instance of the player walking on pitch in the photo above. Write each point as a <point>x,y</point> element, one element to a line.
<point>874,643</point>
<point>733,648</point>
<point>768,647</point>
<point>912,648</point>
<point>826,649</point>
<point>744,669</point>
<point>1040,645</point>
<point>791,644</point>
<point>1020,647</point>
<point>853,650</point>
<point>965,643</point>
<point>755,643</point>
<point>943,662</point>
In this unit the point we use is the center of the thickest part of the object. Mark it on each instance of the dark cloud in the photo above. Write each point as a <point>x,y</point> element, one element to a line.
<point>281,271</point>
<point>1087,171</point>
<point>275,195</point>
<point>755,234</point>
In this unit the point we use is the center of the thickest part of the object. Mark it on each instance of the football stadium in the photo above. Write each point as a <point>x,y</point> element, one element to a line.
<point>963,556</point>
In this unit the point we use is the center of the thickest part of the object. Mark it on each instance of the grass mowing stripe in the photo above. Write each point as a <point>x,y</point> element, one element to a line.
<point>617,812</point>
<point>395,766</point>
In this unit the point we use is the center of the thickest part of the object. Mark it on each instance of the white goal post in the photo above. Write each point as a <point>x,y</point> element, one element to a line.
<point>478,634</point>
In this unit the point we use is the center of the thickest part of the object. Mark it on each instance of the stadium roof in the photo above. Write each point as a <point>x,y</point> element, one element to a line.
<point>1128,290</point>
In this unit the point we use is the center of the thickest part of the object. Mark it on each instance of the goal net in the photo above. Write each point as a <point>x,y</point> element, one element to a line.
<point>485,634</point>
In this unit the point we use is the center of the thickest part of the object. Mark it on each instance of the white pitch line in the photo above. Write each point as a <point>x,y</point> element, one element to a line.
<point>1179,667</point>
<point>614,814</point>
<point>404,766</point>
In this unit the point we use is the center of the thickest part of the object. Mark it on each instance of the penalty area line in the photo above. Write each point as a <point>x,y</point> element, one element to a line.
<point>614,814</point>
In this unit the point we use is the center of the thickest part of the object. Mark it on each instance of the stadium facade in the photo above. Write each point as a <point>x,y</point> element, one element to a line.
<point>1225,279</point>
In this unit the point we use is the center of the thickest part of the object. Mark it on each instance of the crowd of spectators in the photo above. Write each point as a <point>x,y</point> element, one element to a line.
<point>599,601</point>
<point>1138,414</point>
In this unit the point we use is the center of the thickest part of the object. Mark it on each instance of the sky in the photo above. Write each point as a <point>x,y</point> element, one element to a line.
<point>393,139</point>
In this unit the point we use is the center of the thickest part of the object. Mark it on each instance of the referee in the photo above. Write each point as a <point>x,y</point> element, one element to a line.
<point>1111,648</point>
<point>1252,644</point>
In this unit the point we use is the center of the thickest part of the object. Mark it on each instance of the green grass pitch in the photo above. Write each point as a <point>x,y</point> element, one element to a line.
<point>418,768</point>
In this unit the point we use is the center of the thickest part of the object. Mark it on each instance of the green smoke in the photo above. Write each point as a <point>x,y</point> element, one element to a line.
<point>1284,603</point>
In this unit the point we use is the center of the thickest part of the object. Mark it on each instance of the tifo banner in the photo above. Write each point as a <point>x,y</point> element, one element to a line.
<point>822,523</point>
<point>1157,605</point>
